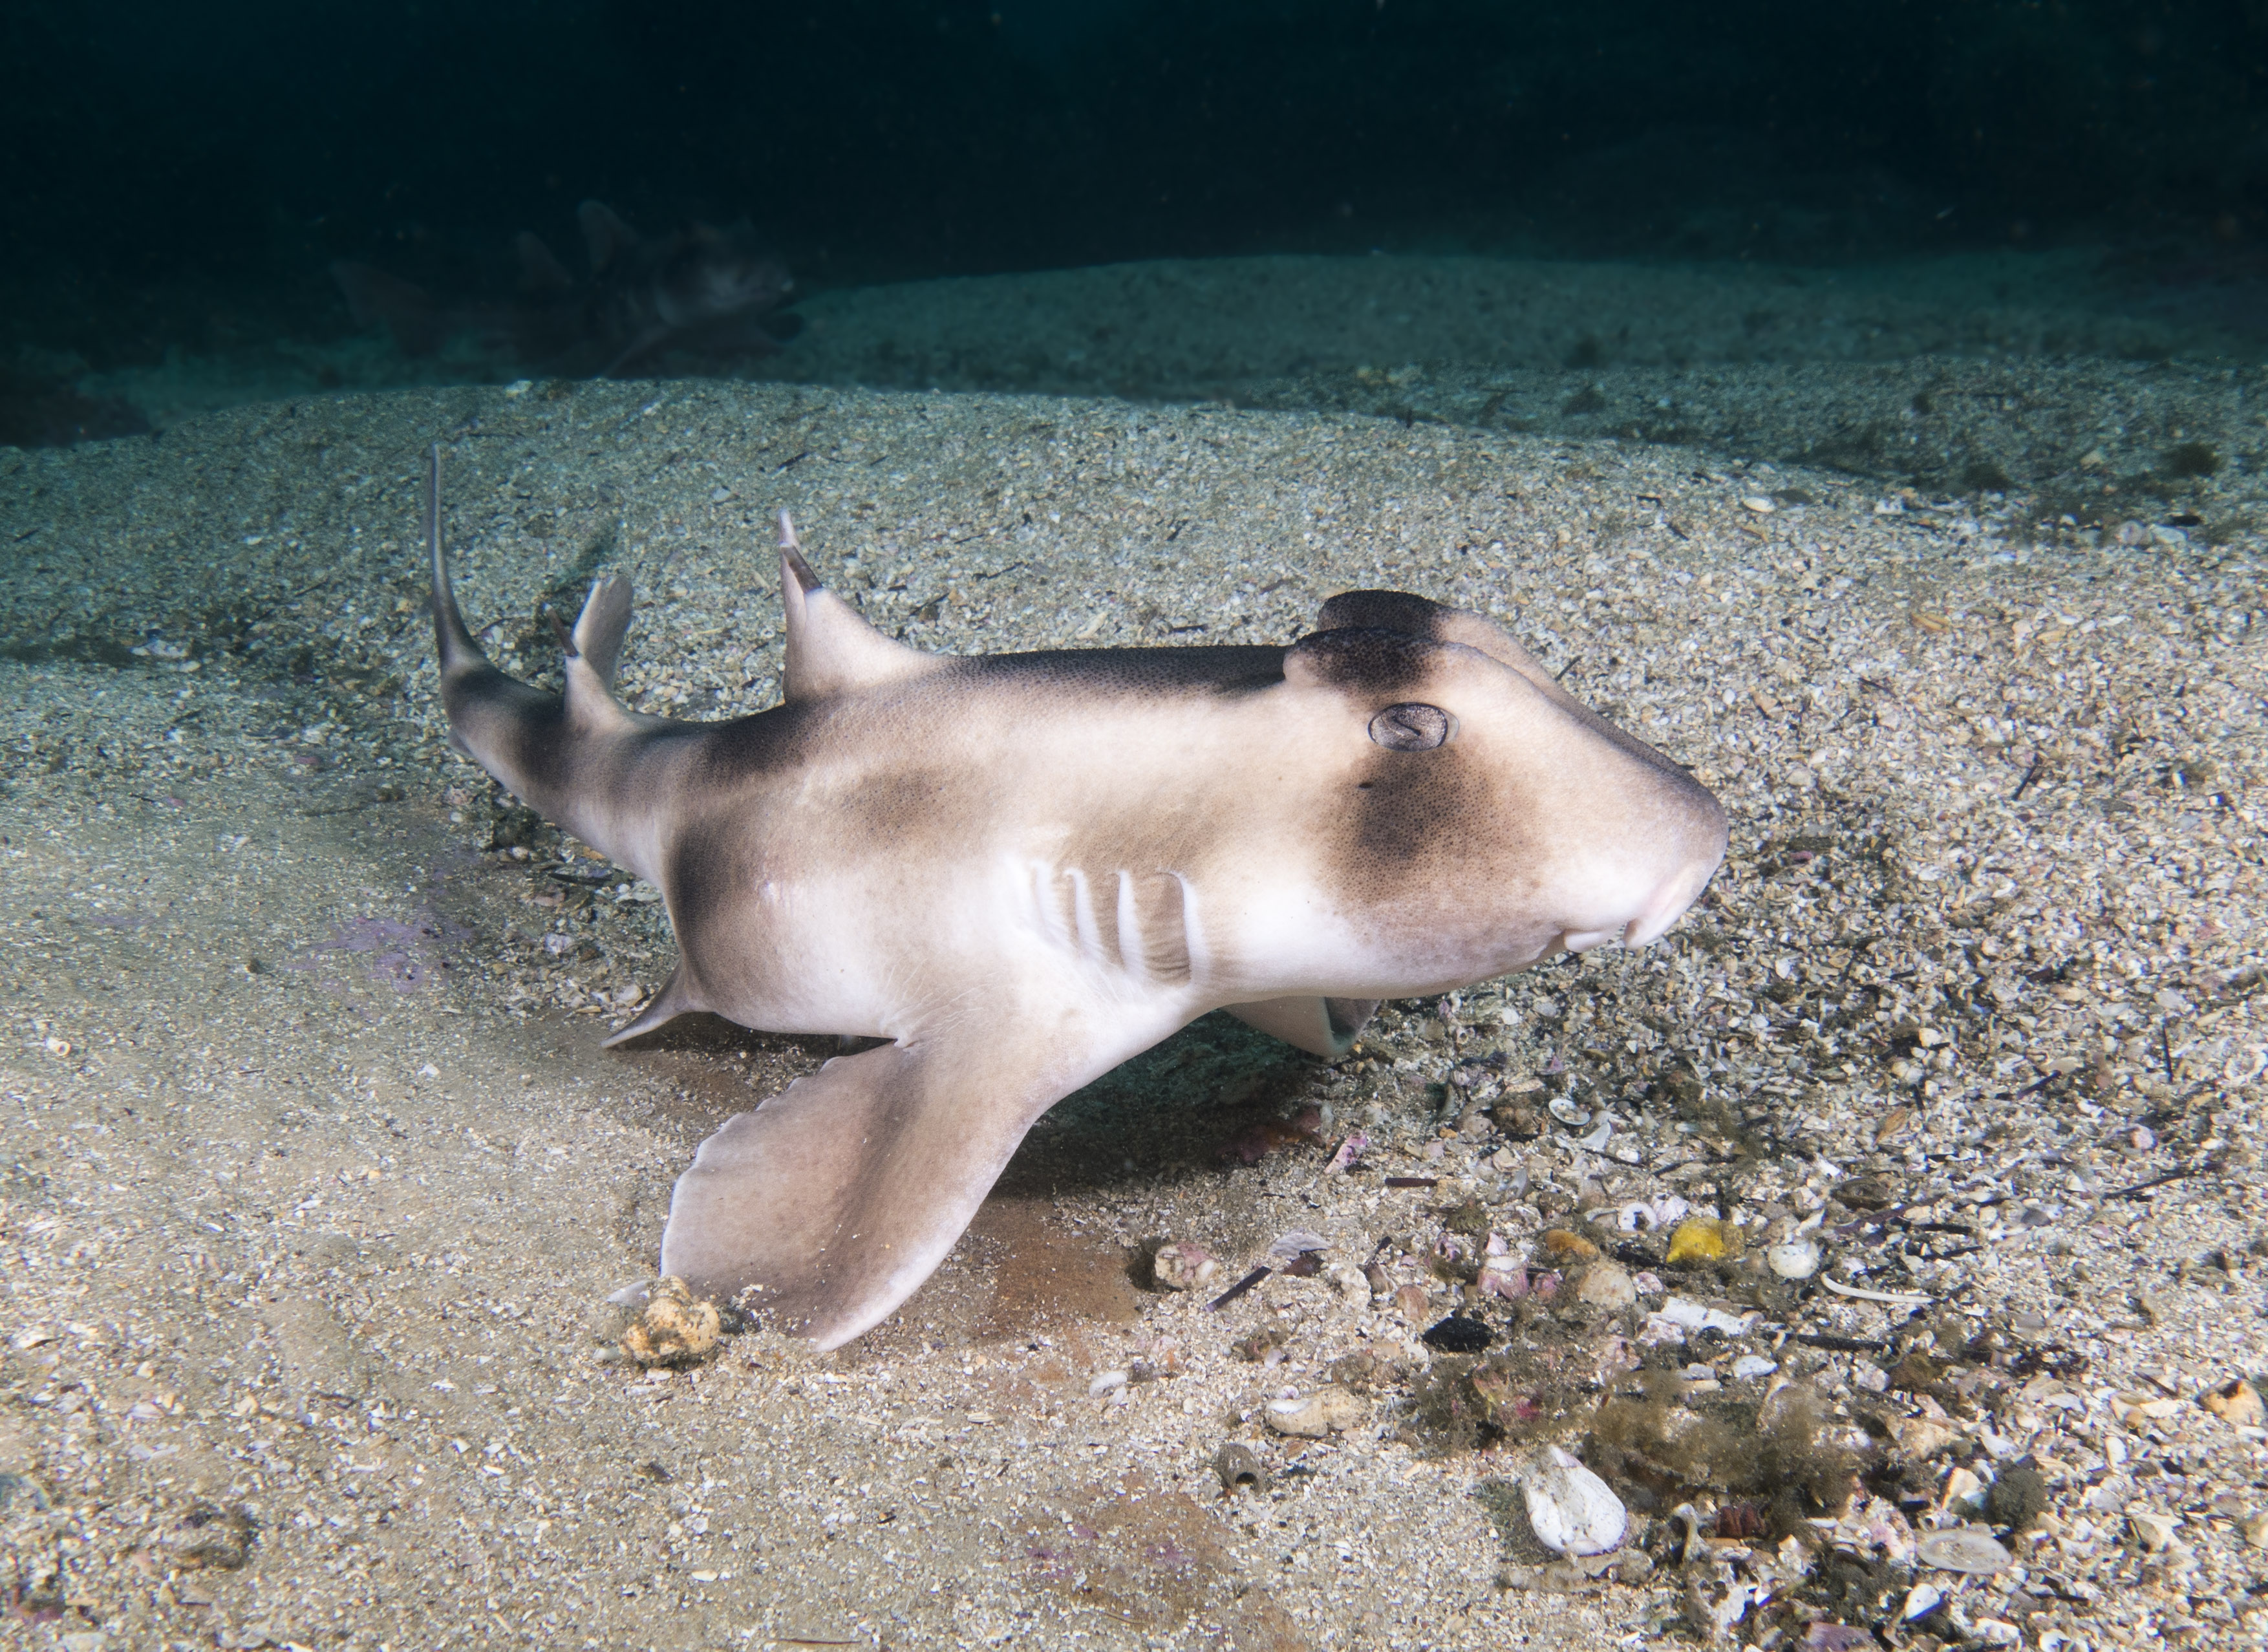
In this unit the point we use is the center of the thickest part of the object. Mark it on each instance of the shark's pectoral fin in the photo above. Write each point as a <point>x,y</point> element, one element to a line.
<point>1320,1026</point>
<point>827,1206</point>
<point>677,996</point>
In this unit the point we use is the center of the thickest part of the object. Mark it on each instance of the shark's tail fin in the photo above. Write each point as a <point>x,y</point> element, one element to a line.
<point>593,648</point>
<point>564,757</point>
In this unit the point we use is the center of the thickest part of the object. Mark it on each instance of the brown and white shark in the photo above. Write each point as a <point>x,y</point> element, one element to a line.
<point>1022,869</point>
<point>699,290</point>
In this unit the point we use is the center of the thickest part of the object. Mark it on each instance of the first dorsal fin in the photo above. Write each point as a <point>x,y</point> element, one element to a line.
<point>831,649</point>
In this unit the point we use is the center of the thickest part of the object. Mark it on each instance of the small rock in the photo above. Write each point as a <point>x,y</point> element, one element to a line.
<point>1969,1549</point>
<point>1571,1509</point>
<point>1459,1333</point>
<point>1259,1343</point>
<point>210,1536</point>
<point>1921,1600</point>
<point>1412,1303</point>
<point>1703,1239</point>
<point>1796,1260</point>
<point>1750,1365</point>
<point>1603,1284</point>
<point>1327,1411</point>
<point>673,1327</point>
<point>1182,1267</point>
<point>1920,1438</point>
<point>2256,1530</point>
<point>2152,1531</point>
<point>2237,1404</point>
<point>1349,1282</point>
<point>1568,1247</point>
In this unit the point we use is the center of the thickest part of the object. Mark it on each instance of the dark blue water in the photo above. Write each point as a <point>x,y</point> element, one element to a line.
<point>181,178</point>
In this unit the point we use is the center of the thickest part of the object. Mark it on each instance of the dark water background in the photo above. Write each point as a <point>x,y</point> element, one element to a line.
<point>180,175</point>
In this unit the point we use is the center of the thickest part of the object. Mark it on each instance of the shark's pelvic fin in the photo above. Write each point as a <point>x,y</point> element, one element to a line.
<point>1324,1027</point>
<point>677,996</point>
<point>831,649</point>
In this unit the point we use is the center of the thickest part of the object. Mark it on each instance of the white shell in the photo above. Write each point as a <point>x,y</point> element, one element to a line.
<point>1751,1365</point>
<point>1569,1509</point>
<point>1797,1259</point>
<point>1567,1112</point>
<point>1970,1549</point>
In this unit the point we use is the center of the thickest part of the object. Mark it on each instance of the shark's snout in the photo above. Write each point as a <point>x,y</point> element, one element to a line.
<point>1643,911</point>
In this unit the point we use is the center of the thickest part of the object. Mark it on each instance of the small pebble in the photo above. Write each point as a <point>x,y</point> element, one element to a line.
<point>673,1328</point>
<point>1458,1334</point>
<point>1796,1260</point>
<point>1572,1510</point>
<point>2237,1404</point>
<point>2152,1531</point>
<point>1182,1267</point>
<point>1703,1239</point>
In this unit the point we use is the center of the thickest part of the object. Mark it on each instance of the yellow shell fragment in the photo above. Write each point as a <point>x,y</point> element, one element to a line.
<point>1703,1239</point>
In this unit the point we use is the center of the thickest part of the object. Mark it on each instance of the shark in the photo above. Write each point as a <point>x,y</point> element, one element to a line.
<point>700,289</point>
<point>1020,870</point>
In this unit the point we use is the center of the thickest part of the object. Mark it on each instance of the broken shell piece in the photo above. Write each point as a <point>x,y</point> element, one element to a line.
<point>1969,1549</point>
<point>1239,1469</point>
<point>1751,1365</point>
<point>1411,1302</point>
<point>673,1328</point>
<point>1182,1267</point>
<point>1567,1112</point>
<point>1330,1410</point>
<point>1569,1509</point>
<point>1796,1260</point>
<point>1603,1284</point>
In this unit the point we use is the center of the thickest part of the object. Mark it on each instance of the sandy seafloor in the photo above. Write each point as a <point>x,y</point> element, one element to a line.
<point>316,1183</point>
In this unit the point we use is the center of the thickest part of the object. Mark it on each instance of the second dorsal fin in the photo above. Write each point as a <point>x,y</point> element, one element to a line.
<point>831,649</point>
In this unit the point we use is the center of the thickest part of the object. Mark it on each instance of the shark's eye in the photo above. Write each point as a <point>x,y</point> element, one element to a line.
<point>1412,727</point>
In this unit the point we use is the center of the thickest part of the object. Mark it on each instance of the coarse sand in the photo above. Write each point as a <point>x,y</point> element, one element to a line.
<point>317,1185</point>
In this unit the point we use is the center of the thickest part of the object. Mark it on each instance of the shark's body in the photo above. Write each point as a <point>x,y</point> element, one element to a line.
<point>1024,869</point>
<point>698,289</point>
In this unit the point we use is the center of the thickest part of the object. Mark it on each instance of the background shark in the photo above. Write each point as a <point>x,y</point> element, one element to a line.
<point>698,289</point>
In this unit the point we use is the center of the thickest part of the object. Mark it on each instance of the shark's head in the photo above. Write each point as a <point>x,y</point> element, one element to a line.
<point>1475,818</point>
<point>713,273</point>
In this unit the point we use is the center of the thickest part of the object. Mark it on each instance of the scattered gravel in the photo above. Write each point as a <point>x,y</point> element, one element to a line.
<point>321,1201</point>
